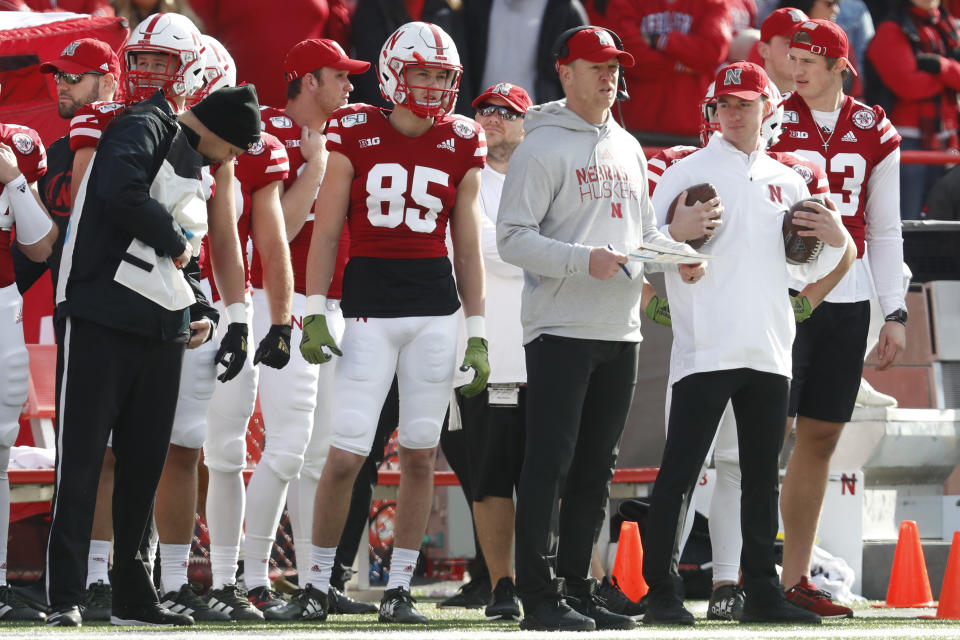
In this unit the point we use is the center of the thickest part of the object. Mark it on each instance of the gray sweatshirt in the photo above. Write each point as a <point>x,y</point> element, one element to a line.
<point>571,186</point>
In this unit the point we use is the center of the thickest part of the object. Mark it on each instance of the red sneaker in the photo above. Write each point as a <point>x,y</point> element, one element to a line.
<point>806,596</point>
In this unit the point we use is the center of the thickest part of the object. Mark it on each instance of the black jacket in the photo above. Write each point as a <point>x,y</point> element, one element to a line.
<point>117,208</point>
<point>558,16</point>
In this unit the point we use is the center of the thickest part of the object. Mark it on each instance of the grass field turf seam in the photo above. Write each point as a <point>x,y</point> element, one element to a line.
<point>457,624</point>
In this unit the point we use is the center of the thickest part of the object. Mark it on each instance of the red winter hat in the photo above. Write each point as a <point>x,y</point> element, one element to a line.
<point>594,45</point>
<point>782,22</point>
<point>742,79</point>
<point>310,55</point>
<point>512,94</point>
<point>84,56</point>
<point>827,39</point>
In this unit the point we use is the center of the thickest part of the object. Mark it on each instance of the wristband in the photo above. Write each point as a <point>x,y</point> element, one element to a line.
<point>476,327</point>
<point>33,223</point>
<point>316,305</point>
<point>236,312</point>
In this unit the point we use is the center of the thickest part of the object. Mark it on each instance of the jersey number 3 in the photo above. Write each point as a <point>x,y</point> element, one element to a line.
<point>387,184</point>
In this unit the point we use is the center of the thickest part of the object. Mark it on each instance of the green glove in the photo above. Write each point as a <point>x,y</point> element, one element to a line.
<point>801,308</point>
<point>317,344</point>
<point>475,357</point>
<point>658,310</point>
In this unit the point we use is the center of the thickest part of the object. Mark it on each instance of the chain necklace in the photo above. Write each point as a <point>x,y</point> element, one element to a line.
<point>826,142</point>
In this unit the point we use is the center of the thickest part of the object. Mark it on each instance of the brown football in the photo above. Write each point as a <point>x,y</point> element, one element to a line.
<point>799,249</point>
<point>697,193</point>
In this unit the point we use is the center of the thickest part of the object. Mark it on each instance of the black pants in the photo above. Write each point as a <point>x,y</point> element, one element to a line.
<point>759,404</point>
<point>112,380</point>
<point>578,396</point>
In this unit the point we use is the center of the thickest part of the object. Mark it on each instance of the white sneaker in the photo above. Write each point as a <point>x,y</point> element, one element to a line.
<point>867,396</point>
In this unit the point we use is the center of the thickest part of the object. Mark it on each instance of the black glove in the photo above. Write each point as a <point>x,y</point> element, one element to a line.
<point>929,62</point>
<point>233,350</point>
<point>274,349</point>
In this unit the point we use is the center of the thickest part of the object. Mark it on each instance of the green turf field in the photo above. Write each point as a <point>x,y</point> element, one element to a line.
<point>454,624</point>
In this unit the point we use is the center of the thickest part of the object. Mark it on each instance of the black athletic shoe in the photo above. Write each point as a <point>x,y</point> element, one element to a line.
<point>587,601</point>
<point>272,605</point>
<point>148,615</point>
<point>617,601</point>
<point>13,607</point>
<point>504,604</point>
<point>310,603</point>
<point>232,600</point>
<point>187,602</point>
<point>726,603</point>
<point>473,595</point>
<point>65,617</point>
<point>397,606</point>
<point>665,604</point>
<point>340,603</point>
<point>776,610</point>
<point>97,602</point>
<point>554,614</point>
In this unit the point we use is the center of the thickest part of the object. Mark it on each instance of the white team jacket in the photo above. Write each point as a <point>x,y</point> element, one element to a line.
<point>738,315</point>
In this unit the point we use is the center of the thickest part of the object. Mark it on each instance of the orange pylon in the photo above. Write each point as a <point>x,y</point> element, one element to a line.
<point>628,567</point>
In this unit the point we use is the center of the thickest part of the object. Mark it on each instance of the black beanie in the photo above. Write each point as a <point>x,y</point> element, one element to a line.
<point>231,113</point>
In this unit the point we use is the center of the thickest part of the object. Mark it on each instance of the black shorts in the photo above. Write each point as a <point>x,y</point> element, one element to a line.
<point>828,355</point>
<point>495,438</point>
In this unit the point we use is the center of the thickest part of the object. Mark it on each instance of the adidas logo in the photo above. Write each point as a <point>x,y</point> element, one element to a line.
<point>848,137</point>
<point>447,144</point>
<point>387,607</point>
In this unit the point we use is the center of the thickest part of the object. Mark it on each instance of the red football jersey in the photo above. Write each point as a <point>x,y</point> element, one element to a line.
<point>862,138</point>
<point>663,160</point>
<point>404,189</point>
<point>278,123</point>
<point>262,164</point>
<point>32,161</point>
<point>811,172</point>
<point>89,121</point>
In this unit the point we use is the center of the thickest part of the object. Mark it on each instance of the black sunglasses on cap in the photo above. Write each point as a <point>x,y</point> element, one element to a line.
<point>506,113</point>
<point>73,78</point>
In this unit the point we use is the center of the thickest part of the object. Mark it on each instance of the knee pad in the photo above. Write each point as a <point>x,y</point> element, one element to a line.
<point>285,464</point>
<point>228,455</point>
<point>420,434</point>
<point>353,431</point>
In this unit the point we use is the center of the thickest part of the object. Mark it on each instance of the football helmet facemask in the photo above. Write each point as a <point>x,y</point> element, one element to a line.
<point>419,44</point>
<point>170,34</point>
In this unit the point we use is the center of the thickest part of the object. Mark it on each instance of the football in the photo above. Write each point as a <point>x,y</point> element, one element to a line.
<point>799,249</point>
<point>697,193</point>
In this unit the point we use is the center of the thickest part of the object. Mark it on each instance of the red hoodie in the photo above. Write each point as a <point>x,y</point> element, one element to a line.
<point>691,38</point>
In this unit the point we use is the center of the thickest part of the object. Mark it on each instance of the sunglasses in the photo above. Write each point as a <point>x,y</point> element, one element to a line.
<point>506,113</point>
<point>73,78</point>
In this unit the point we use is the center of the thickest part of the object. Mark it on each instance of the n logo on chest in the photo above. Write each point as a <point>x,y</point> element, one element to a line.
<point>776,193</point>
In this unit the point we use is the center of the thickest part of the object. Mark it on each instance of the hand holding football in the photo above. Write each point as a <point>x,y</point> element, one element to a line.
<point>697,218</point>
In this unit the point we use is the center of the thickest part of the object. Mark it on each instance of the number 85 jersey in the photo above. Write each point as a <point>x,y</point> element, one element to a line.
<point>403,193</point>
<point>403,188</point>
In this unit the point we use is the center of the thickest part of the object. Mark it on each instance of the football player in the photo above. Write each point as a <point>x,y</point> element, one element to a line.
<point>397,178</point>
<point>859,149</point>
<point>22,161</point>
<point>297,424</point>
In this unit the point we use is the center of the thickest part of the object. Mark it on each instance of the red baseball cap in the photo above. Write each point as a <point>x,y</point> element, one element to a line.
<point>513,95</point>
<point>84,56</point>
<point>742,79</point>
<point>827,39</point>
<point>594,44</point>
<point>782,22</point>
<point>310,55</point>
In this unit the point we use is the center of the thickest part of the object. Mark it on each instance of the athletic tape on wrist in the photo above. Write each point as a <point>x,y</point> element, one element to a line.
<point>237,312</point>
<point>32,221</point>
<point>316,305</point>
<point>476,327</point>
